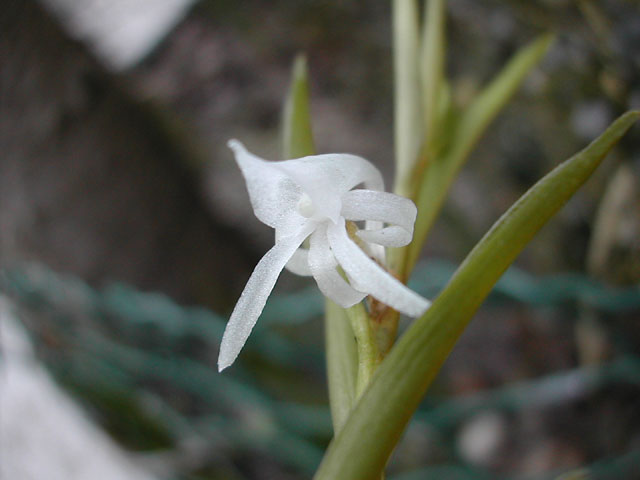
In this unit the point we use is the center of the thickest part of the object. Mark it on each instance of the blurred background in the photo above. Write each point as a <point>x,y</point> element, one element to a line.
<point>126,236</point>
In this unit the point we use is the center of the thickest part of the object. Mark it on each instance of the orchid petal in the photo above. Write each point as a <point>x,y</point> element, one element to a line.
<point>378,207</point>
<point>299,263</point>
<point>326,177</point>
<point>254,296</point>
<point>273,194</point>
<point>323,266</point>
<point>367,276</point>
<point>392,236</point>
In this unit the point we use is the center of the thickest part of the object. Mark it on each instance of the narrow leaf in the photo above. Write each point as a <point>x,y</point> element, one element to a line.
<point>377,421</point>
<point>440,173</point>
<point>494,97</point>
<point>296,126</point>
<point>408,123</point>
<point>432,68</point>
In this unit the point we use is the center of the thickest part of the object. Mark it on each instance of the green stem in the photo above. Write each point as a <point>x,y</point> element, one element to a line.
<point>366,343</point>
<point>342,370</point>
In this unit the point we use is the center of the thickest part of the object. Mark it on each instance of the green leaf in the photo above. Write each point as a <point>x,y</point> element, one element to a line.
<point>432,69</point>
<point>296,126</point>
<point>494,97</point>
<point>408,121</point>
<point>342,361</point>
<point>361,449</point>
<point>440,172</point>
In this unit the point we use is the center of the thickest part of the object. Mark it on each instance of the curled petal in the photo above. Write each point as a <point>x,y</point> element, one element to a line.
<point>323,267</point>
<point>254,296</point>
<point>392,236</point>
<point>367,276</point>
<point>378,208</point>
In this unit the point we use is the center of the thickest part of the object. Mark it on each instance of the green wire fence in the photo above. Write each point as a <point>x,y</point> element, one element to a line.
<point>155,360</point>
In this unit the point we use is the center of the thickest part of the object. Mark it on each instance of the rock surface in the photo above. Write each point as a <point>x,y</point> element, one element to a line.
<point>43,433</point>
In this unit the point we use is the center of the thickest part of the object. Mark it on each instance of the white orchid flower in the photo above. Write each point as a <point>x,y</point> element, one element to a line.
<point>313,197</point>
